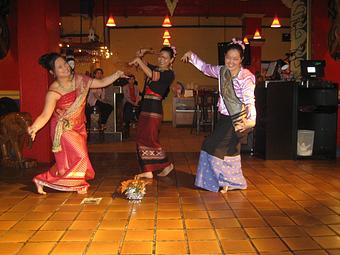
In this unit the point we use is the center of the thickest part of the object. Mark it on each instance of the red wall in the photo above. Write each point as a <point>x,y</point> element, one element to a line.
<point>320,28</point>
<point>38,33</point>
<point>9,73</point>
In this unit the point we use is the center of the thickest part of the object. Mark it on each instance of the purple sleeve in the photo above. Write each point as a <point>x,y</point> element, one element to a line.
<point>207,69</point>
<point>248,97</point>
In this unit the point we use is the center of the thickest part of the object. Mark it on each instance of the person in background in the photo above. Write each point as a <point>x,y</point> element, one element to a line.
<point>96,99</point>
<point>64,105</point>
<point>131,103</point>
<point>220,160</point>
<point>178,89</point>
<point>151,155</point>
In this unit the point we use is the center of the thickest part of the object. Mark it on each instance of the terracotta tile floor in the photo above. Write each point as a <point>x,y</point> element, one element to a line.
<point>290,207</point>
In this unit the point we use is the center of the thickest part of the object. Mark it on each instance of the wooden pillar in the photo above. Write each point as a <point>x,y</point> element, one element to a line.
<point>250,23</point>
<point>38,33</point>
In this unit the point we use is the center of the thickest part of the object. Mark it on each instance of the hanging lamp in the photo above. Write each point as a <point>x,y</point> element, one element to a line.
<point>166,35</point>
<point>257,34</point>
<point>245,40</point>
<point>276,22</point>
<point>111,22</point>
<point>166,22</point>
<point>166,42</point>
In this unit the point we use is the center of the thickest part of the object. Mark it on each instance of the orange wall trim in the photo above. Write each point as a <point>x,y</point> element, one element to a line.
<point>14,94</point>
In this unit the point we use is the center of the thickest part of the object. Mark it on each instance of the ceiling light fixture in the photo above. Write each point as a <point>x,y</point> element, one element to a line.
<point>257,35</point>
<point>166,42</point>
<point>276,23</point>
<point>166,35</point>
<point>166,22</point>
<point>111,22</point>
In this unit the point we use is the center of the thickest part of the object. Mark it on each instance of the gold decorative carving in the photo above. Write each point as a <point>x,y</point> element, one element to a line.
<point>298,23</point>
<point>171,4</point>
<point>334,31</point>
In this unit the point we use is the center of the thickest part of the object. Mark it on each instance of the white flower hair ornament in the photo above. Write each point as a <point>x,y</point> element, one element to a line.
<point>234,41</point>
<point>174,50</point>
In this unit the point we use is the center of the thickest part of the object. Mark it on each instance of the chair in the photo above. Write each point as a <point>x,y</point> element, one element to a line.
<point>205,110</point>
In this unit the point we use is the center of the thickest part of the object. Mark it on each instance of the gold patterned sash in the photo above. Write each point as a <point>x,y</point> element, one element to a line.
<point>65,121</point>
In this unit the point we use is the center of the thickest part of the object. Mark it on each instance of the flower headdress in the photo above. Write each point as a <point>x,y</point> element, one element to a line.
<point>234,41</point>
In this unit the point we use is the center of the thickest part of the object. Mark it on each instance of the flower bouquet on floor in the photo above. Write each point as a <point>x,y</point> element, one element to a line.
<point>133,189</point>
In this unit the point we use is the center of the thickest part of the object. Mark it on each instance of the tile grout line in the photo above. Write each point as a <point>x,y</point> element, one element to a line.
<point>237,218</point>
<point>185,230</point>
<point>212,224</point>
<point>121,243</point>
<point>99,222</point>
<point>271,227</point>
<point>154,243</point>
<point>285,213</point>
<point>65,230</point>
<point>36,230</point>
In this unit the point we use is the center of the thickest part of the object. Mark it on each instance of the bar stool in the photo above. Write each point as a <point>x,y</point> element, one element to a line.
<point>205,108</point>
<point>93,119</point>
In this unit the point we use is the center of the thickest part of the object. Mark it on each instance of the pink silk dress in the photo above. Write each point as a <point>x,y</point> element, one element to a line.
<point>72,165</point>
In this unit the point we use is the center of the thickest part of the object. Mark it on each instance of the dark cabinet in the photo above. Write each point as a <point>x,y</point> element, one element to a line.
<point>283,108</point>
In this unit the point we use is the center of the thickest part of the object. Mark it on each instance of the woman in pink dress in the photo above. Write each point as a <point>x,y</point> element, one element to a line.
<point>64,105</point>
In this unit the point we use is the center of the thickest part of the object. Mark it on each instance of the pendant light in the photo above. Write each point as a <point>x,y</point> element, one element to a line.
<point>166,42</point>
<point>245,40</point>
<point>166,22</point>
<point>166,35</point>
<point>257,34</point>
<point>276,22</point>
<point>111,22</point>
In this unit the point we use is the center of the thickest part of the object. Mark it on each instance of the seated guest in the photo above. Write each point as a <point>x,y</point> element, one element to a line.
<point>96,98</point>
<point>131,103</point>
<point>178,89</point>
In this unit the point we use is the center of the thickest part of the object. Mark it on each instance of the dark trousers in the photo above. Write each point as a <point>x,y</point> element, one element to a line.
<point>105,111</point>
<point>130,113</point>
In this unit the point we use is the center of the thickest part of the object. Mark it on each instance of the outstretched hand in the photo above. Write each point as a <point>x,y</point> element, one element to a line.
<point>140,53</point>
<point>186,57</point>
<point>121,74</point>
<point>32,131</point>
<point>135,62</point>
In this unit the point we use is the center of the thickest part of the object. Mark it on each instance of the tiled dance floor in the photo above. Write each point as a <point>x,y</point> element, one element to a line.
<point>290,207</point>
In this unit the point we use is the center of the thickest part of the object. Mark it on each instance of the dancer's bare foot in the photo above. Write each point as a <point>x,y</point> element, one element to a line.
<point>82,192</point>
<point>166,170</point>
<point>148,175</point>
<point>40,189</point>
<point>224,189</point>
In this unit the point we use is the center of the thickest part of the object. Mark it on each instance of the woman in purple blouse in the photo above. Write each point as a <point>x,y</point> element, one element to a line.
<point>219,166</point>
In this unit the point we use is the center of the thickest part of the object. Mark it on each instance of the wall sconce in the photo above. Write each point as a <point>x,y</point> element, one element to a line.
<point>276,22</point>
<point>167,22</point>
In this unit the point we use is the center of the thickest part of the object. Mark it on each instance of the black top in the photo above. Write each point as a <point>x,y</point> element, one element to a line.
<point>160,80</point>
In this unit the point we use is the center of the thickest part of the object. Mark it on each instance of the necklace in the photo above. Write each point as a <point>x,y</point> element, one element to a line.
<point>162,69</point>
<point>69,86</point>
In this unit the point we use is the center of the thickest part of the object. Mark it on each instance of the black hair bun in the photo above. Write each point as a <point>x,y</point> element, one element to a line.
<point>170,50</point>
<point>47,60</point>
